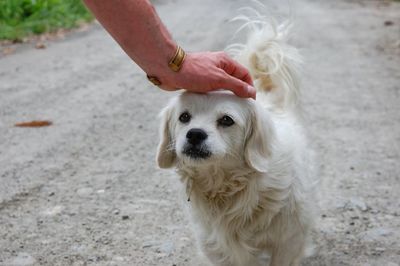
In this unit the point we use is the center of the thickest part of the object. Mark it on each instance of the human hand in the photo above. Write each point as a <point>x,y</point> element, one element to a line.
<point>207,71</point>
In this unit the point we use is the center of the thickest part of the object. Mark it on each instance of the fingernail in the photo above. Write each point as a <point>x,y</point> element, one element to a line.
<point>251,92</point>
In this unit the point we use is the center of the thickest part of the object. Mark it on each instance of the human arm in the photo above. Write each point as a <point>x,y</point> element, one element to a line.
<point>135,25</point>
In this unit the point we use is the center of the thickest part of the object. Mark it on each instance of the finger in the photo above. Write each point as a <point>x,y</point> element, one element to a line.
<point>237,86</point>
<point>235,69</point>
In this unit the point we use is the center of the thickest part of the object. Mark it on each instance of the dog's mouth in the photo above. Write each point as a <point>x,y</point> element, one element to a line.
<point>196,152</point>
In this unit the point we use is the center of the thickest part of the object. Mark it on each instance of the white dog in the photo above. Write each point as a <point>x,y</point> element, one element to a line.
<point>246,164</point>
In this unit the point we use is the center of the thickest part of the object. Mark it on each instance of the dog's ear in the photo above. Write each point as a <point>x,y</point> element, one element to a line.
<point>259,140</point>
<point>166,155</point>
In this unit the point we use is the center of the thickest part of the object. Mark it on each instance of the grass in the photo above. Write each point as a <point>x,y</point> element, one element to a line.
<point>21,18</point>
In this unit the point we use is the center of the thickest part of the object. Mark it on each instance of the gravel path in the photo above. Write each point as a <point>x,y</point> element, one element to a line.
<point>86,190</point>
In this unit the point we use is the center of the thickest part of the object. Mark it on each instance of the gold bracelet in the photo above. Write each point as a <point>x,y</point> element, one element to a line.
<point>175,64</point>
<point>177,61</point>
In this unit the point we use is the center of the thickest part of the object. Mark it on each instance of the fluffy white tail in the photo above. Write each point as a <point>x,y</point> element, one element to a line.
<point>273,64</point>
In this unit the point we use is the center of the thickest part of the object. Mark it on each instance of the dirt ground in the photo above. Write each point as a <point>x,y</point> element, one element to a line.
<point>86,190</point>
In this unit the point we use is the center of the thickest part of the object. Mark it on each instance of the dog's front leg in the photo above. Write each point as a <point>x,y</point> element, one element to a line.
<point>215,257</point>
<point>234,257</point>
<point>288,253</point>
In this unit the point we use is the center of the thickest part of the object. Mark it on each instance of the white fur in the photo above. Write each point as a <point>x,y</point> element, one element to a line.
<point>254,195</point>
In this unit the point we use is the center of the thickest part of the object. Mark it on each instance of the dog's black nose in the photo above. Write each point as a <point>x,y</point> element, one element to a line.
<point>196,136</point>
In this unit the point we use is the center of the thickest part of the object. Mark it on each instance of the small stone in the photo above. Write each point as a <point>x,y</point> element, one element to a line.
<point>166,248</point>
<point>356,203</point>
<point>388,23</point>
<point>40,45</point>
<point>378,251</point>
<point>150,244</point>
<point>125,217</point>
<point>84,192</point>
<point>377,234</point>
<point>118,259</point>
<point>21,259</point>
<point>55,210</point>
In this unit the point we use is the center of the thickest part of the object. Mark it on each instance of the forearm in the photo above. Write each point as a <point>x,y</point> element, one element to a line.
<point>135,25</point>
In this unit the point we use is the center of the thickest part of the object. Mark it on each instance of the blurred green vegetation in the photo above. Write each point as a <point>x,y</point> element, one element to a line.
<point>20,18</point>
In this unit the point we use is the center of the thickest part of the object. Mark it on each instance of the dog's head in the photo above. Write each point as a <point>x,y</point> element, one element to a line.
<point>198,130</point>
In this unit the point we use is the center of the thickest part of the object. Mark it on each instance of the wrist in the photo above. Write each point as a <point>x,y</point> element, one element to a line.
<point>166,73</point>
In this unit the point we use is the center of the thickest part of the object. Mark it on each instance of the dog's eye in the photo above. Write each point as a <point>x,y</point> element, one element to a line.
<point>225,121</point>
<point>185,117</point>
